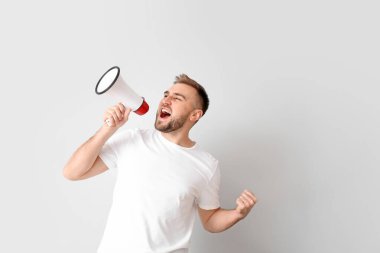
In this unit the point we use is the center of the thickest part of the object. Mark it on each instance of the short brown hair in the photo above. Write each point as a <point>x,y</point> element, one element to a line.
<point>182,78</point>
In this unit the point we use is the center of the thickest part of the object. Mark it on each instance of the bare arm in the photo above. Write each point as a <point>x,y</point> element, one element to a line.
<point>85,161</point>
<point>218,220</point>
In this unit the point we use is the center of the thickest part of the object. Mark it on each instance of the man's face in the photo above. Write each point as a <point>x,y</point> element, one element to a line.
<point>175,107</point>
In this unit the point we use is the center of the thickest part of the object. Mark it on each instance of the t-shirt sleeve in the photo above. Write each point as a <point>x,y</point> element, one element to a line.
<point>209,196</point>
<point>108,155</point>
<point>111,149</point>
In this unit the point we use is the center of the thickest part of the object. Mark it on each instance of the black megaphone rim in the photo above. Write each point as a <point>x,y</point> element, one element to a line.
<point>113,82</point>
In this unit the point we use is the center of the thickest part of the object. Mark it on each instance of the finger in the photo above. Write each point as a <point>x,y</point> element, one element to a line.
<point>240,204</point>
<point>125,116</point>
<point>249,199</point>
<point>110,122</point>
<point>113,114</point>
<point>122,108</point>
<point>107,118</point>
<point>251,195</point>
<point>127,111</point>
<point>241,199</point>
<point>117,111</point>
<point>113,118</point>
<point>245,201</point>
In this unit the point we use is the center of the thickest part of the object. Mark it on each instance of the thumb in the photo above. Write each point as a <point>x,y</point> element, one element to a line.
<point>126,114</point>
<point>239,204</point>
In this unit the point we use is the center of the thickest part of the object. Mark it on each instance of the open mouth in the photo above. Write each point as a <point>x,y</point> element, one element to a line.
<point>165,113</point>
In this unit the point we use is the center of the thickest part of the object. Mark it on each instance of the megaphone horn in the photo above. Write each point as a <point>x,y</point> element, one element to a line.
<point>113,84</point>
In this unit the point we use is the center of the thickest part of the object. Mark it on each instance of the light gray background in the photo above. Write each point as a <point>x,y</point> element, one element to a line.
<point>294,115</point>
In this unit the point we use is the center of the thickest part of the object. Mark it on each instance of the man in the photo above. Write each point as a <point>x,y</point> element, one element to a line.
<point>163,176</point>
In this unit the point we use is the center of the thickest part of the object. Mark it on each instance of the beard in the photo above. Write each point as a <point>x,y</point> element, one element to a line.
<point>173,124</point>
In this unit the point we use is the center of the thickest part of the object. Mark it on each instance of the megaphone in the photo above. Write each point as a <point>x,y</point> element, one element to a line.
<point>113,84</point>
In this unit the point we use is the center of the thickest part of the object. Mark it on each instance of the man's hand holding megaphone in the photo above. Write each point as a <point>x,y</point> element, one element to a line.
<point>116,115</point>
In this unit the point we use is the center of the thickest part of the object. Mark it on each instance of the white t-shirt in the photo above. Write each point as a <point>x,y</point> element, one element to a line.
<point>159,185</point>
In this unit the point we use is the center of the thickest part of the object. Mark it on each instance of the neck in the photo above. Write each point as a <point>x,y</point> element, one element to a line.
<point>179,137</point>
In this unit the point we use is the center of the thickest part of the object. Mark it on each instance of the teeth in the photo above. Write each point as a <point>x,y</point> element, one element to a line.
<point>166,111</point>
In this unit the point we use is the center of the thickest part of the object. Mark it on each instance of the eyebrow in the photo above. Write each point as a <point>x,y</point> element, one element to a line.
<point>176,93</point>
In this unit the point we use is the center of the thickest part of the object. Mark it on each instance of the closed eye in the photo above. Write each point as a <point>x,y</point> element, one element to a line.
<point>179,96</point>
<point>176,96</point>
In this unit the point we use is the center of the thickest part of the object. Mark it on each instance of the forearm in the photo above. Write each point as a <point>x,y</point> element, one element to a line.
<point>84,157</point>
<point>221,220</point>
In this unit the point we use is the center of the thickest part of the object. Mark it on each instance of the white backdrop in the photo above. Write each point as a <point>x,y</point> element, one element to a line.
<point>294,115</point>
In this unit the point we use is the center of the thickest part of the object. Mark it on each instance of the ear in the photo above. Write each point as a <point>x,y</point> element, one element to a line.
<point>196,115</point>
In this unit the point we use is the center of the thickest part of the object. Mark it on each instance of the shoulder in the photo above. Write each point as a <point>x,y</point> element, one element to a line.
<point>207,155</point>
<point>143,131</point>
<point>124,134</point>
<point>207,158</point>
<point>201,151</point>
<point>133,131</point>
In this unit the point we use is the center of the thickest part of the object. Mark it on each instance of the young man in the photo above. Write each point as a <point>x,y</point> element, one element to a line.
<point>163,177</point>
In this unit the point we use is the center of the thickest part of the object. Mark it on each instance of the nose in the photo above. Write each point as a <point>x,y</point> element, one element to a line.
<point>167,100</point>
